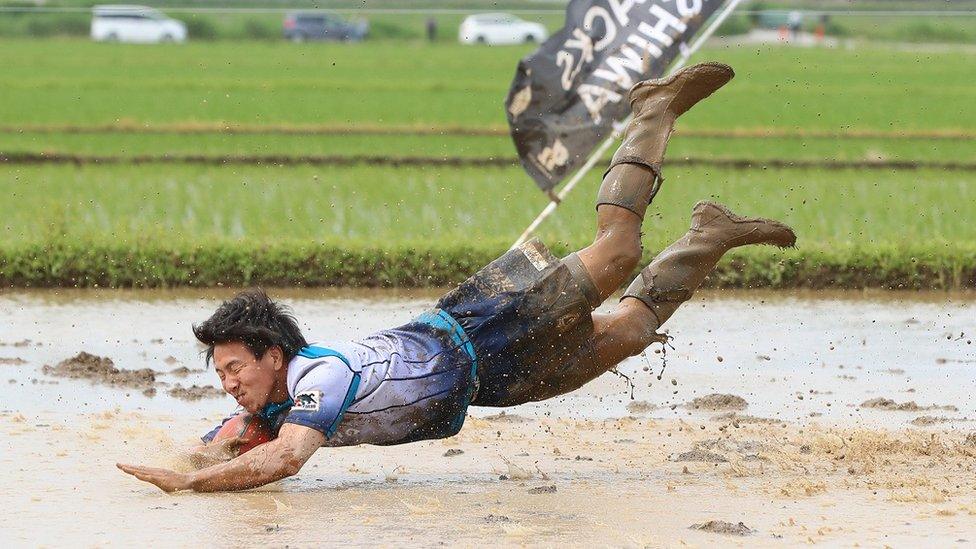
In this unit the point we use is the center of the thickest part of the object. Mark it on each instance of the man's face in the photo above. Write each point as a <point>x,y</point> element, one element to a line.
<point>248,379</point>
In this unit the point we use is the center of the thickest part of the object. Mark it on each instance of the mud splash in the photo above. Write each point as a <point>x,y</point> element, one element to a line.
<point>716,402</point>
<point>504,417</point>
<point>20,344</point>
<point>194,392</point>
<point>640,407</point>
<point>102,370</point>
<point>722,451</point>
<point>736,419</point>
<point>925,421</point>
<point>723,527</point>
<point>882,403</point>
<point>183,371</point>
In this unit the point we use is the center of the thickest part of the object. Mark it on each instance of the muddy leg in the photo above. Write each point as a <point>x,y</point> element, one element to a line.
<point>670,280</point>
<point>616,249</point>
<point>634,176</point>
<point>623,333</point>
<point>626,331</point>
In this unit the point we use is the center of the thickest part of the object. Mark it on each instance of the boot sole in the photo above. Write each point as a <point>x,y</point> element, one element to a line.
<point>723,76</point>
<point>726,69</point>
<point>782,235</point>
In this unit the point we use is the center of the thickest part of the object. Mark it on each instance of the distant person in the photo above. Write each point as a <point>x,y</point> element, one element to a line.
<point>431,29</point>
<point>794,21</point>
<point>821,29</point>
<point>520,330</point>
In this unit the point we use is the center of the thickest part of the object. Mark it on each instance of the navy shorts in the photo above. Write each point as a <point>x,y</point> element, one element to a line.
<point>528,321</point>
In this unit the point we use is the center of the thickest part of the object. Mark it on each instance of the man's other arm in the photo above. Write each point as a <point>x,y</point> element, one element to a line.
<point>269,462</point>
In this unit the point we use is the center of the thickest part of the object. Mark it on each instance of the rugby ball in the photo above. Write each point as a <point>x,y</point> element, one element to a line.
<point>250,428</point>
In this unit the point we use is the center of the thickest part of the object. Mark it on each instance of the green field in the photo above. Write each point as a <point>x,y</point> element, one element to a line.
<point>367,205</point>
<point>172,223</point>
<point>76,82</point>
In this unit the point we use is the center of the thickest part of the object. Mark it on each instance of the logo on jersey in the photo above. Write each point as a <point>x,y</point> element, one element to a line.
<point>308,401</point>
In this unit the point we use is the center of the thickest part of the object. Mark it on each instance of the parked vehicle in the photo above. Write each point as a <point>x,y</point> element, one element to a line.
<point>139,24</point>
<point>301,26</point>
<point>499,28</point>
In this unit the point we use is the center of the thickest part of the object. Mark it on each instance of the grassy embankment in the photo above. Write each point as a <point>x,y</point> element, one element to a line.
<point>170,224</point>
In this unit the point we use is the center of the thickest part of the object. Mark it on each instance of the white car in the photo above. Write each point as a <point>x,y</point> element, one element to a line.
<point>138,24</point>
<point>499,28</point>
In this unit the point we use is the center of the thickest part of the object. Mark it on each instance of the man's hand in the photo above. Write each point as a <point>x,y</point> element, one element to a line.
<point>164,479</point>
<point>200,456</point>
<point>268,462</point>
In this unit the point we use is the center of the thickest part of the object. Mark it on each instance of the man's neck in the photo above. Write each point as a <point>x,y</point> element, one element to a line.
<point>279,393</point>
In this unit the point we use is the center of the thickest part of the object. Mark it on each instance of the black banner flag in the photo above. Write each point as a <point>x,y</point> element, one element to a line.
<point>567,95</point>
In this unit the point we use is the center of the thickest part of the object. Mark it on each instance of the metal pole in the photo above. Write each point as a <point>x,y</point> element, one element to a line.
<point>598,153</point>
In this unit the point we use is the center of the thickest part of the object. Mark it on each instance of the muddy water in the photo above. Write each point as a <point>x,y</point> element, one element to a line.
<point>790,356</point>
<point>595,467</point>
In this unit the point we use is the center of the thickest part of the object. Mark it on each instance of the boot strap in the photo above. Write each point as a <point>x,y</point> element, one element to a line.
<point>653,166</point>
<point>629,202</point>
<point>650,295</point>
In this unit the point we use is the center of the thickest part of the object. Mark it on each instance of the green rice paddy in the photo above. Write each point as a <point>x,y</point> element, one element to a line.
<point>135,224</point>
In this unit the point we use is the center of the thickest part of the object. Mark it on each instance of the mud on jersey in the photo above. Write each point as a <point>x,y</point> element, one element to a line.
<point>395,386</point>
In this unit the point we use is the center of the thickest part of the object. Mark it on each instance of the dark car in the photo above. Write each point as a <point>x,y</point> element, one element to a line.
<point>301,26</point>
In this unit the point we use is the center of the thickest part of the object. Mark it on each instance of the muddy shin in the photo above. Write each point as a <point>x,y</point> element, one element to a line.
<point>675,274</point>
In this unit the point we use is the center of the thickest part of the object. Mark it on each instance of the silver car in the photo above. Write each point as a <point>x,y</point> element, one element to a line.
<point>301,26</point>
<point>499,28</point>
<point>138,24</point>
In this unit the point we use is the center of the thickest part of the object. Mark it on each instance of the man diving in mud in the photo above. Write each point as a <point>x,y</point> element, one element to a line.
<point>520,330</point>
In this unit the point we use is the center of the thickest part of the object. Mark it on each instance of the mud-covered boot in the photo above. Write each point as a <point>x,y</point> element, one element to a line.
<point>656,104</point>
<point>675,274</point>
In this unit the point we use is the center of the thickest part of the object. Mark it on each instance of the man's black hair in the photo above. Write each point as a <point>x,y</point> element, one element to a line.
<point>252,318</point>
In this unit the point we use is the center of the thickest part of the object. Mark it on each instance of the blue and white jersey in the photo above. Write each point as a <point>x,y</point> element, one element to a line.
<point>395,386</point>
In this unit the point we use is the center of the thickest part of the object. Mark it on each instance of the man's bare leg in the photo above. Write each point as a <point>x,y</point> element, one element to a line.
<point>670,280</point>
<point>634,176</point>
<point>620,334</point>
<point>616,249</point>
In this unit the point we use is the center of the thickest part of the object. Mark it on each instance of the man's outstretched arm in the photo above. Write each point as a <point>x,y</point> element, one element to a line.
<point>269,462</point>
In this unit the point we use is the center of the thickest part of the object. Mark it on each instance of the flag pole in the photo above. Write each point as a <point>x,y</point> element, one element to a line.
<point>595,156</point>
